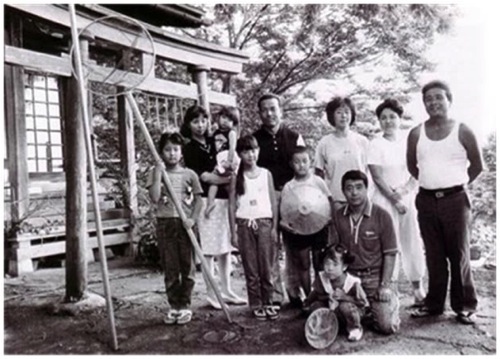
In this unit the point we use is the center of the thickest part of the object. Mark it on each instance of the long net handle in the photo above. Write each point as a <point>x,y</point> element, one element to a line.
<point>177,204</point>
<point>93,182</point>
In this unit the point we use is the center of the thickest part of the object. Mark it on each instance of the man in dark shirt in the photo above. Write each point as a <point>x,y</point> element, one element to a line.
<point>277,144</point>
<point>276,141</point>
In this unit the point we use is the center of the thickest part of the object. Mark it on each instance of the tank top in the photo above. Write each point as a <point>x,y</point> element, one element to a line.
<point>256,201</point>
<point>443,163</point>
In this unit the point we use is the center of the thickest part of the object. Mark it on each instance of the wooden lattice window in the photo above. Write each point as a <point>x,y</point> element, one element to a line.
<point>43,123</point>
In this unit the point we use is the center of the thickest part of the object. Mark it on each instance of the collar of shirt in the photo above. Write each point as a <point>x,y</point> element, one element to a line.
<point>367,211</point>
<point>356,224</point>
<point>269,133</point>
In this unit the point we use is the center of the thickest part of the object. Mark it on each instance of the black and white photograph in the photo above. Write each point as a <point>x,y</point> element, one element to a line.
<point>249,178</point>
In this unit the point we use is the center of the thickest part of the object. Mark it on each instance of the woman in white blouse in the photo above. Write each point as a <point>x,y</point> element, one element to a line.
<point>342,150</point>
<point>395,191</point>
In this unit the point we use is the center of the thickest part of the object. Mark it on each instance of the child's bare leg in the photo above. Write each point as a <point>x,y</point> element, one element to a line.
<point>212,192</point>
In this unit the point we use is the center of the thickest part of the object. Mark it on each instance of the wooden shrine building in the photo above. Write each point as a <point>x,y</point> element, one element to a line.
<point>45,185</point>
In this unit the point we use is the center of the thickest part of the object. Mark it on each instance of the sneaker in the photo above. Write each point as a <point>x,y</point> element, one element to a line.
<point>185,316</point>
<point>171,317</point>
<point>259,314</point>
<point>355,335</point>
<point>272,313</point>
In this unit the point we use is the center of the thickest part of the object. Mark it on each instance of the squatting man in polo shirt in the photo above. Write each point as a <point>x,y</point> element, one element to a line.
<point>367,231</point>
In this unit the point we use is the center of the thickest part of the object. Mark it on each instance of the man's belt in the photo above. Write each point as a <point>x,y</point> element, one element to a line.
<point>364,271</point>
<point>442,192</point>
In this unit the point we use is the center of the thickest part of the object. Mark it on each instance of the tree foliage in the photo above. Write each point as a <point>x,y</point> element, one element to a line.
<point>293,45</point>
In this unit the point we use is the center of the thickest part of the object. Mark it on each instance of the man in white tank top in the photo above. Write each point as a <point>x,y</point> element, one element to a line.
<point>444,156</point>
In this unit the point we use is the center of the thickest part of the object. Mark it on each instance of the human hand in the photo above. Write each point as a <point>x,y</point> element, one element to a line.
<point>401,208</point>
<point>274,235</point>
<point>332,303</point>
<point>234,239</point>
<point>384,294</point>
<point>189,223</point>
<point>396,196</point>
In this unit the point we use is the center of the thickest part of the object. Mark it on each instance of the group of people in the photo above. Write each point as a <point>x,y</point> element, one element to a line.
<point>396,201</point>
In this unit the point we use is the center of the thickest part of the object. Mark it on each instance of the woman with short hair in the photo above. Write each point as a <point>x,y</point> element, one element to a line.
<point>395,191</point>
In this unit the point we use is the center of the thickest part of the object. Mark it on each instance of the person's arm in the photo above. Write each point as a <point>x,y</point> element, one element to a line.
<point>319,163</point>
<point>468,140</point>
<point>232,212</point>
<point>232,148</point>
<point>411,151</point>
<point>214,179</point>
<point>384,188</point>
<point>389,250</point>
<point>274,205</point>
<point>155,182</point>
<point>197,206</point>
<point>388,192</point>
<point>385,290</point>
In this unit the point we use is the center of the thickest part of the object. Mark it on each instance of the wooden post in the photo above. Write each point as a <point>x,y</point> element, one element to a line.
<point>199,74</point>
<point>76,189</point>
<point>92,175</point>
<point>15,127</point>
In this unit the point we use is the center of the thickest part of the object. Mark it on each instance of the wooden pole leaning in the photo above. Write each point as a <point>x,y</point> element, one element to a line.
<point>93,181</point>
<point>177,204</point>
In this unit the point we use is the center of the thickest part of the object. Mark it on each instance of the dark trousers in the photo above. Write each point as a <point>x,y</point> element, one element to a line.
<point>257,255</point>
<point>298,251</point>
<point>445,226</point>
<point>176,254</point>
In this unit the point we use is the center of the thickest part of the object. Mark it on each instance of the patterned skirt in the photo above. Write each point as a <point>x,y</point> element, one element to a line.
<point>215,235</point>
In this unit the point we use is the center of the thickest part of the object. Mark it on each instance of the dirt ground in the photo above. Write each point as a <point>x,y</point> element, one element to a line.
<point>32,327</point>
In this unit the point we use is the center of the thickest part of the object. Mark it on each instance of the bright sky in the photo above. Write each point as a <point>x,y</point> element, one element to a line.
<point>468,61</point>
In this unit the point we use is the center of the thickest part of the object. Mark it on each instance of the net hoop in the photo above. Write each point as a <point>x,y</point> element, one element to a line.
<point>143,76</point>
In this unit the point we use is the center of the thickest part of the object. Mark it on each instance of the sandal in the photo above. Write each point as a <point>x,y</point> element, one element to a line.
<point>271,312</point>
<point>423,312</point>
<point>259,314</point>
<point>171,317</point>
<point>185,316</point>
<point>467,318</point>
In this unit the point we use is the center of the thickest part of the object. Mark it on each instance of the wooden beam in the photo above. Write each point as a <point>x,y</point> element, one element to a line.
<point>61,66</point>
<point>165,47</point>
<point>36,61</point>
<point>48,249</point>
<point>15,126</point>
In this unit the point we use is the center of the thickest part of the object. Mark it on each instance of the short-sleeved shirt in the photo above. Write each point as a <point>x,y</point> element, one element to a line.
<point>185,184</point>
<point>202,158</point>
<point>369,239</point>
<point>335,156</point>
<point>276,151</point>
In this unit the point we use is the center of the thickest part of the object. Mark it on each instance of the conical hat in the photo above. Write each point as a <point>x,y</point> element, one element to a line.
<point>306,209</point>
<point>321,328</point>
